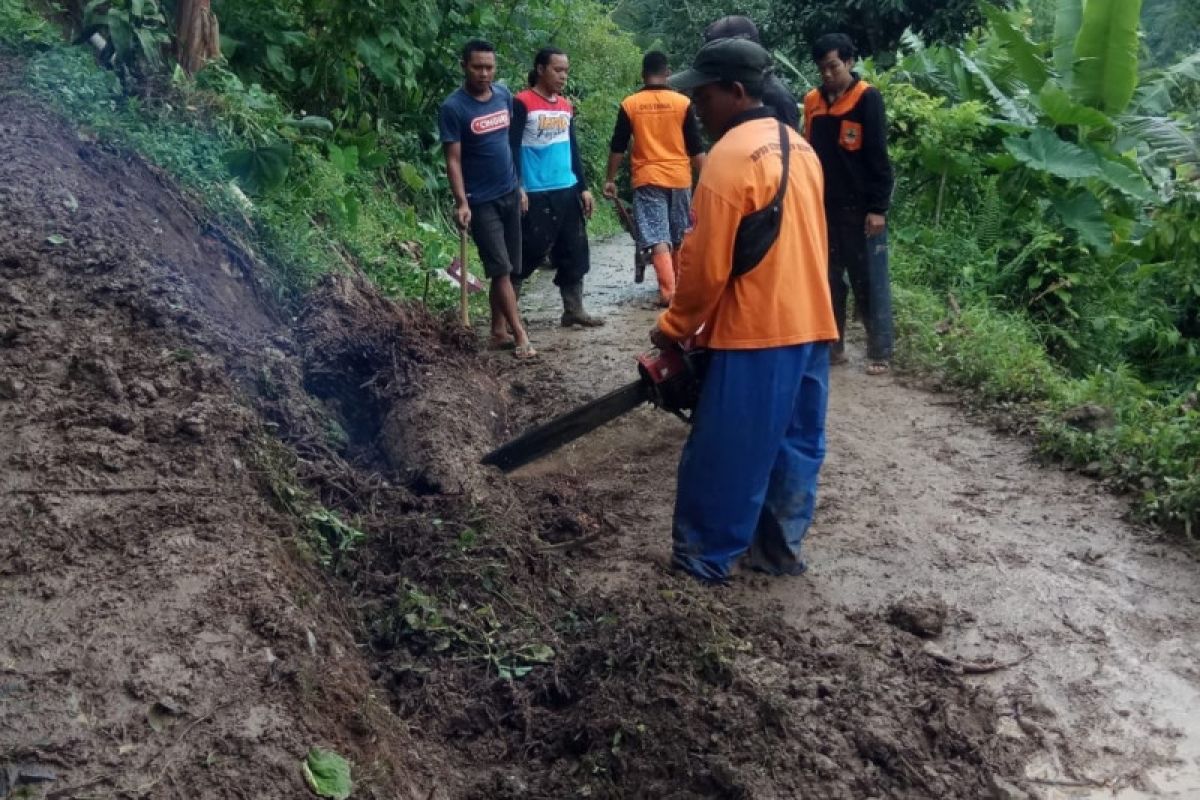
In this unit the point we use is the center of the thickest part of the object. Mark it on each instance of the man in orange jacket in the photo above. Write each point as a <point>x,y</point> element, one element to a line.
<point>748,474</point>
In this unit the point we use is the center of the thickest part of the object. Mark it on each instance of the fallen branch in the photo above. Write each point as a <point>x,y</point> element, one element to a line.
<point>973,667</point>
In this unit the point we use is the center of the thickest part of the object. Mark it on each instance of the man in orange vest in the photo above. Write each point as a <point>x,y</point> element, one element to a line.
<point>753,290</point>
<point>844,120</point>
<point>666,149</point>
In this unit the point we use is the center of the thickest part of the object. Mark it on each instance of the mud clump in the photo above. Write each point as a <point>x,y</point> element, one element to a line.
<point>922,615</point>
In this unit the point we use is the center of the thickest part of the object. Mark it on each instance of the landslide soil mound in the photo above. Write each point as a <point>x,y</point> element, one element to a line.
<point>227,540</point>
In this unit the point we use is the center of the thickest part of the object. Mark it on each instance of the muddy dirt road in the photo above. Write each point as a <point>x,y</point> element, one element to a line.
<point>1029,564</point>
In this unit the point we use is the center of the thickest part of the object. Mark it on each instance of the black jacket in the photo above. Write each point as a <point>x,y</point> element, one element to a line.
<point>782,101</point>
<point>850,137</point>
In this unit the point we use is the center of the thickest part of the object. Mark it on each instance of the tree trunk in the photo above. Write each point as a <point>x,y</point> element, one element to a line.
<point>197,38</point>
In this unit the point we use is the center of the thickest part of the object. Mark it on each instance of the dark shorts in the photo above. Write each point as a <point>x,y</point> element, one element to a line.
<point>554,227</point>
<point>663,215</point>
<point>496,229</point>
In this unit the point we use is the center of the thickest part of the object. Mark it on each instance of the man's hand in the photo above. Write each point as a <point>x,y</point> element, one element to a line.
<point>462,215</point>
<point>524,201</point>
<point>875,224</point>
<point>660,339</point>
<point>610,190</point>
<point>589,205</point>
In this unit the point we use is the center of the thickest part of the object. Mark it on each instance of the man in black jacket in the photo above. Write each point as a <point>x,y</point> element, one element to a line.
<point>775,94</point>
<point>844,120</point>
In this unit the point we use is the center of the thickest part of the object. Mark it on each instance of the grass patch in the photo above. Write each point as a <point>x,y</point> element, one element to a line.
<point>1141,438</point>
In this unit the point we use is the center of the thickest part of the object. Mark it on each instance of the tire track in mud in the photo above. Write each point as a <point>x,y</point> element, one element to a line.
<point>916,497</point>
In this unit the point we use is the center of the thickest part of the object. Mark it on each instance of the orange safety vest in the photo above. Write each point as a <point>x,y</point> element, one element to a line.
<point>659,156</point>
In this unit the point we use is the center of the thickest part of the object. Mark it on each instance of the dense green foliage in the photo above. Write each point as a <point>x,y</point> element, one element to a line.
<point>323,114</point>
<point>1052,188</point>
<point>1046,245</point>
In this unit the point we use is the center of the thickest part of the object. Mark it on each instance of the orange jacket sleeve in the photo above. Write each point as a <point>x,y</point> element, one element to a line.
<point>706,263</point>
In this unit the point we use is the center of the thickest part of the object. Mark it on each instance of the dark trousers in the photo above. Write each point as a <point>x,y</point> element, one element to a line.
<point>554,226</point>
<point>865,262</point>
<point>748,473</point>
<point>496,229</point>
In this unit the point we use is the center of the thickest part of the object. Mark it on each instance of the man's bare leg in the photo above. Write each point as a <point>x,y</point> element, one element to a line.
<point>503,301</point>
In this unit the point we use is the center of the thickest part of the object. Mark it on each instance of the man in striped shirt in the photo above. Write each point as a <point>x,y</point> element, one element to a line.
<point>555,199</point>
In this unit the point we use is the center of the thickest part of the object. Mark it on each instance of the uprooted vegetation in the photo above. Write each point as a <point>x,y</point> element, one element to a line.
<point>239,538</point>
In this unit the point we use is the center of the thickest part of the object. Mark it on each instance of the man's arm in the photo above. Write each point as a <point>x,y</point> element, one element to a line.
<point>450,131</point>
<point>516,137</point>
<point>581,186</point>
<point>622,132</point>
<point>879,179</point>
<point>706,262</point>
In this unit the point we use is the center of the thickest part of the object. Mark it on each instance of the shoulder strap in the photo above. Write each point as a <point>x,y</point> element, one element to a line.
<point>785,152</point>
<point>758,230</point>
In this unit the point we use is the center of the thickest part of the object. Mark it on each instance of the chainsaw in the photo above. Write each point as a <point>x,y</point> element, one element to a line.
<point>669,379</point>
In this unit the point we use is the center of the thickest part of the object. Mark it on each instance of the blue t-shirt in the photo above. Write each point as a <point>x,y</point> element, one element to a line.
<point>482,129</point>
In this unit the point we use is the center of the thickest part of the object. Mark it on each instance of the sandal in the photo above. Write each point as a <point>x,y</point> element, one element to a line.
<point>838,358</point>
<point>879,368</point>
<point>524,351</point>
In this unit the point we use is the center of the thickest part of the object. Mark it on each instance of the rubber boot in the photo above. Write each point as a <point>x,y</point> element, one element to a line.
<point>573,313</point>
<point>664,268</point>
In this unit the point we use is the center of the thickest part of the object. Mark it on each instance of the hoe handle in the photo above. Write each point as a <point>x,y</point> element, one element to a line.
<point>462,279</point>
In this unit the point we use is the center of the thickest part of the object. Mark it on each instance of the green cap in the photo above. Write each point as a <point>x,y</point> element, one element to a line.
<point>724,60</point>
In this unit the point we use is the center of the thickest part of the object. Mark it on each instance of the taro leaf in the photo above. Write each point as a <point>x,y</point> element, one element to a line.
<point>1063,110</point>
<point>276,59</point>
<point>380,60</point>
<point>1126,179</point>
<point>1044,151</point>
<point>1083,213</point>
<point>260,169</point>
<point>344,158</point>
<point>327,773</point>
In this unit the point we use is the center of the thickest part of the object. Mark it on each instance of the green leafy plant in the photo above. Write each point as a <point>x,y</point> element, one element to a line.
<point>136,29</point>
<point>327,774</point>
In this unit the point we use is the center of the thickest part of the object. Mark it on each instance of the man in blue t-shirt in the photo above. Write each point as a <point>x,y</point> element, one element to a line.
<point>474,123</point>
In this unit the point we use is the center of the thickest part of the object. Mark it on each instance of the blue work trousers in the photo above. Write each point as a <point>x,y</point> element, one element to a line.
<point>748,474</point>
